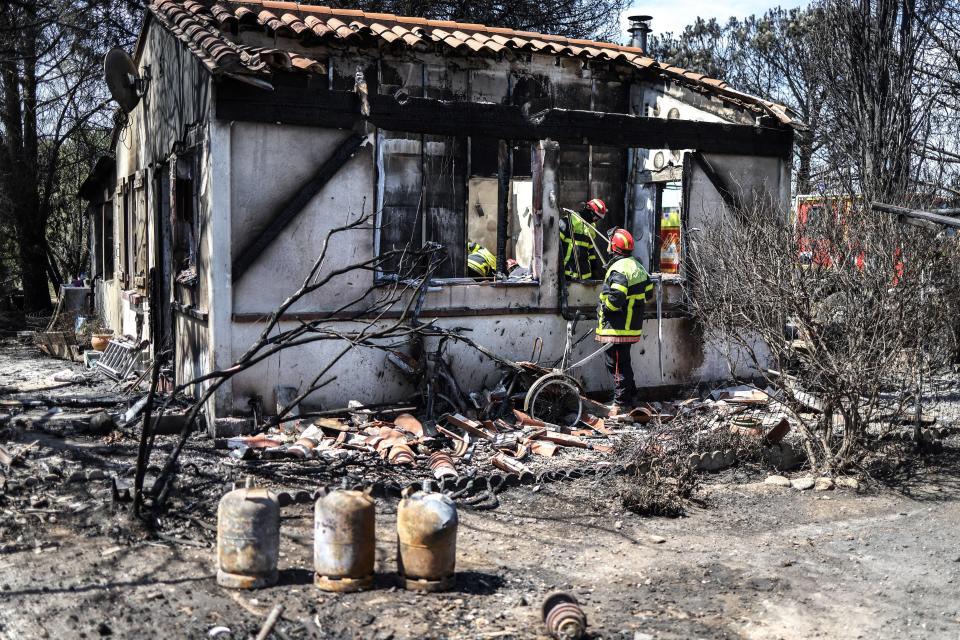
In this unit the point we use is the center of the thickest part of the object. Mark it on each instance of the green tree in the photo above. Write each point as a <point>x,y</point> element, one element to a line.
<point>51,92</point>
<point>770,56</point>
<point>573,18</point>
<point>706,46</point>
<point>776,58</point>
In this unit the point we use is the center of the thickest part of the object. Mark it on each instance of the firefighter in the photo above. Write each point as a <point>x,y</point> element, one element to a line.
<point>620,313</point>
<point>580,259</point>
<point>480,262</point>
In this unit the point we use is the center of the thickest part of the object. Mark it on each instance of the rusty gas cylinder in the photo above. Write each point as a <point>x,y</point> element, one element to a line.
<point>344,540</point>
<point>427,539</point>
<point>248,538</point>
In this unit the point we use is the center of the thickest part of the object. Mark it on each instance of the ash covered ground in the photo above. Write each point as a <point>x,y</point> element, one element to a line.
<point>747,560</point>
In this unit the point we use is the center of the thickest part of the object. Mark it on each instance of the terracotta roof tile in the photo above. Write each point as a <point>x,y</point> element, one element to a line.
<point>318,26</point>
<point>204,25</point>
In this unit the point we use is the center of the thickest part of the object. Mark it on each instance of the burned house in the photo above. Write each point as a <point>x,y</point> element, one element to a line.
<point>261,126</point>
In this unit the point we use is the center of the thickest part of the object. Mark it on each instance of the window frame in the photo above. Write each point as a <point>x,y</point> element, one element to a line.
<point>504,208</point>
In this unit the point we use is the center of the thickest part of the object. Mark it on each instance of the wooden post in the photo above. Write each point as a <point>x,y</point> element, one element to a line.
<point>504,173</point>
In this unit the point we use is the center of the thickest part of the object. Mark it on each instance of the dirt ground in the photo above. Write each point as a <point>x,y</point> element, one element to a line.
<point>749,560</point>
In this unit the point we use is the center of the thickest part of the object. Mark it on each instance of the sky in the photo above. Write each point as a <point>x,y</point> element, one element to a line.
<point>674,15</point>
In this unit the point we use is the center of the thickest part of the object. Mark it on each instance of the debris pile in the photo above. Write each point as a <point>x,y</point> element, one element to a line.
<point>445,449</point>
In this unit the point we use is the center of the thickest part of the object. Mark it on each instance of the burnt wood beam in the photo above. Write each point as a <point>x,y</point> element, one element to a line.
<point>629,131</point>
<point>504,173</point>
<point>917,217</point>
<point>320,107</point>
<point>292,208</point>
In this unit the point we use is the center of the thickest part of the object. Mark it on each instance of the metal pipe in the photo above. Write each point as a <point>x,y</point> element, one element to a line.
<point>639,30</point>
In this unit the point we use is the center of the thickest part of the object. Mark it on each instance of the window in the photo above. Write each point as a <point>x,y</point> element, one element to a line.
<point>421,195</point>
<point>668,233</point>
<point>591,171</point>
<point>108,248</point>
<point>656,205</point>
<point>483,211</point>
<point>185,221</point>
<point>139,245</point>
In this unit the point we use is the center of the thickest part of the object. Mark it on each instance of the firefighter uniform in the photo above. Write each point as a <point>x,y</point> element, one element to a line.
<point>580,258</point>
<point>480,262</point>
<point>620,319</point>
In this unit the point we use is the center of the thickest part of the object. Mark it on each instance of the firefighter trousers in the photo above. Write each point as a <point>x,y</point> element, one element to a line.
<point>620,366</point>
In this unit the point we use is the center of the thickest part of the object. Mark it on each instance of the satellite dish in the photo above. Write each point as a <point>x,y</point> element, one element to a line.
<point>122,78</point>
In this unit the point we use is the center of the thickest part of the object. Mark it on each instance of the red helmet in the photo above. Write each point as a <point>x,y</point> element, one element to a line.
<point>621,242</point>
<point>597,206</point>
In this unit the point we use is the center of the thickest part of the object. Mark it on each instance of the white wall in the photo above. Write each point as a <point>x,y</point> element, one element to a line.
<point>173,110</point>
<point>364,374</point>
<point>269,162</point>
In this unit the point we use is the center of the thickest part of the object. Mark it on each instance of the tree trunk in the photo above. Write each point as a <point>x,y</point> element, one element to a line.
<point>33,269</point>
<point>804,160</point>
<point>21,178</point>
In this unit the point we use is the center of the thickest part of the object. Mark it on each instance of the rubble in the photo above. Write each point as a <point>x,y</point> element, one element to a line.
<point>847,483</point>
<point>823,484</point>
<point>777,481</point>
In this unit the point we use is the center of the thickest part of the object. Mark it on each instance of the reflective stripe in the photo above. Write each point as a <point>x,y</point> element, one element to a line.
<point>580,239</point>
<point>621,321</point>
<point>481,261</point>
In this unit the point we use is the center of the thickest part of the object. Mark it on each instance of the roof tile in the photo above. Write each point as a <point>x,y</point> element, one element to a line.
<point>202,24</point>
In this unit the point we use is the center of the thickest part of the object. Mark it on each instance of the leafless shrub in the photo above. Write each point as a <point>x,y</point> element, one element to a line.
<point>659,479</point>
<point>402,295</point>
<point>842,313</point>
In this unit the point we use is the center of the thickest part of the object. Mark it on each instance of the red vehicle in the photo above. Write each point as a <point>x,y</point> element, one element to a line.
<point>811,212</point>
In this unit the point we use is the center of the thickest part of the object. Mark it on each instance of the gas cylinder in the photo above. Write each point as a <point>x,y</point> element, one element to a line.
<point>344,540</point>
<point>670,243</point>
<point>427,539</point>
<point>248,538</point>
<point>563,616</point>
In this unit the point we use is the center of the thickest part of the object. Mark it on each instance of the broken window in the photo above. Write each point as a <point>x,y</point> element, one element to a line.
<point>446,190</point>
<point>671,194</point>
<point>483,219</point>
<point>185,223</point>
<point>422,199</point>
<point>108,248</point>
<point>656,205</point>
<point>591,171</point>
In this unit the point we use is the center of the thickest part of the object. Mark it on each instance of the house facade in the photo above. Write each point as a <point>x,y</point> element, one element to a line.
<point>262,126</point>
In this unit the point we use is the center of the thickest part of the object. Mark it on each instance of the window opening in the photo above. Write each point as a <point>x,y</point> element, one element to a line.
<point>671,194</point>
<point>484,224</point>
<point>587,172</point>
<point>185,219</point>
<point>447,190</point>
<point>108,247</point>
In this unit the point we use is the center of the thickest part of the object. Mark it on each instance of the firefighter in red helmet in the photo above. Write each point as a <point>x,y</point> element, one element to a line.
<point>626,287</point>
<point>577,237</point>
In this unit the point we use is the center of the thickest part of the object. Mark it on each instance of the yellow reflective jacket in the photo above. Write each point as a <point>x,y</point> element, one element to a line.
<point>480,262</point>
<point>620,310</point>
<point>579,255</point>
